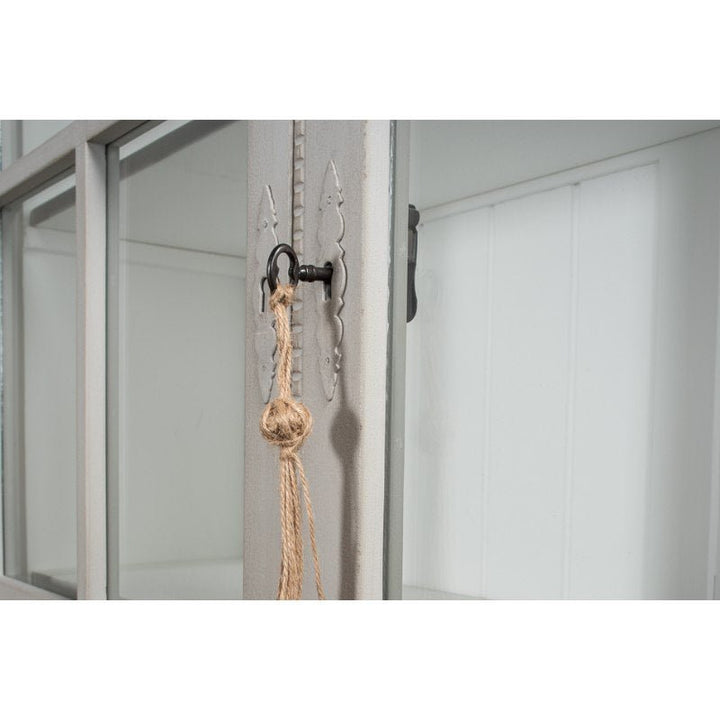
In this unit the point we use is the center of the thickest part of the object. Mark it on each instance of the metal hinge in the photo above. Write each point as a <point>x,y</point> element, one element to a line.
<point>413,220</point>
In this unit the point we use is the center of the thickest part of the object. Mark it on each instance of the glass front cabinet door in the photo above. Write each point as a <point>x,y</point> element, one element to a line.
<point>138,353</point>
<point>512,370</point>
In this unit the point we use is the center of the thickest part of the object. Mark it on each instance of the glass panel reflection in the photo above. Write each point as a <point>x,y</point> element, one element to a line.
<point>177,325</point>
<point>39,367</point>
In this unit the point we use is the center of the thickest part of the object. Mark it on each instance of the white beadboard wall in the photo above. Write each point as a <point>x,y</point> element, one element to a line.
<point>561,382</point>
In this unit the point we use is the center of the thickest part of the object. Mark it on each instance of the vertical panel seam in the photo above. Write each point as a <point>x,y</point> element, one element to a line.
<point>487,437</point>
<point>571,386</point>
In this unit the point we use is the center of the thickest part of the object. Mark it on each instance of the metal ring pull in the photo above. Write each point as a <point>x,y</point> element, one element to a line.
<point>273,271</point>
<point>296,272</point>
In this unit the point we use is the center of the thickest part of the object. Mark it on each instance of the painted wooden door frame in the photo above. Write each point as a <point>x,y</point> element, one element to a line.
<point>347,456</point>
<point>347,165</point>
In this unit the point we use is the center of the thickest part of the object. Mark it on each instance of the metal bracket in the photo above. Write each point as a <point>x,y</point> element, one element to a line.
<point>413,220</point>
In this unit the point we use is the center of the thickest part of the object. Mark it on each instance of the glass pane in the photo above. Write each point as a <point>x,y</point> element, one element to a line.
<point>177,328</point>
<point>560,376</point>
<point>39,367</point>
<point>19,137</point>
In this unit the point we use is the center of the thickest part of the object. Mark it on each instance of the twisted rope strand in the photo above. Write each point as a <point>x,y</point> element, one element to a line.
<point>311,527</point>
<point>286,423</point>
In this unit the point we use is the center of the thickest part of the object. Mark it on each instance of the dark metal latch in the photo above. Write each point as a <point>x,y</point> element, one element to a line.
<point>413,220</point>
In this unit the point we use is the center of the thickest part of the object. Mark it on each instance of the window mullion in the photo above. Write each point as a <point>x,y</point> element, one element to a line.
<point>13,417</point>
<point>91,372</point>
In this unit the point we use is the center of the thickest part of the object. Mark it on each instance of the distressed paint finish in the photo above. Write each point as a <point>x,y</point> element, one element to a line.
<point>344,456</point>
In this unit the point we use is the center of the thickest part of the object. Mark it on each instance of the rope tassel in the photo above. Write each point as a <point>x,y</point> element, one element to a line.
<point>286,423</point>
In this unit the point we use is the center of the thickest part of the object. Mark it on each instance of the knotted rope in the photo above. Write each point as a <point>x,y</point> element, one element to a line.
<point>286,423</point>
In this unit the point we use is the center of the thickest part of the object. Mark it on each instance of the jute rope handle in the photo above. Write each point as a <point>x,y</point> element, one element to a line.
<point>286,423</point>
